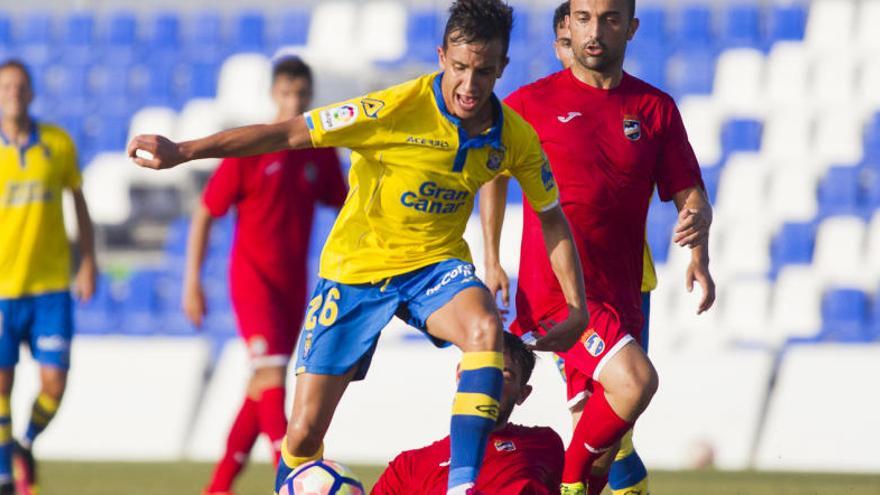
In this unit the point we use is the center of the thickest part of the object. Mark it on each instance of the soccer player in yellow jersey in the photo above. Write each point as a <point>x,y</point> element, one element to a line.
<point>37,162</point>
<point>421,150</point>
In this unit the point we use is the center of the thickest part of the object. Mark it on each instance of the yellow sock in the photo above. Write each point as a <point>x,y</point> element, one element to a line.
<point>289,462</point>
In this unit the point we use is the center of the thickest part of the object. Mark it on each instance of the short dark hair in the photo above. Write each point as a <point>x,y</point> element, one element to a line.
<point>479,20</point>
<point>14,63</point>
<point>291,66</point>
<point>560,14</point>
<point>521,355</point>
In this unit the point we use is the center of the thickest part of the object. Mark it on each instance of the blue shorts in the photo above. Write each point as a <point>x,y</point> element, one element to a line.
<point>343,322</point>
<point>646,312</point>
<point>45,322</point>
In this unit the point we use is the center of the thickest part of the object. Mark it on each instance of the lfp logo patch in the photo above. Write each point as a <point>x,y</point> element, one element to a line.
<point>632,128</point>
<point>338,117</point>
<point>593,343</point>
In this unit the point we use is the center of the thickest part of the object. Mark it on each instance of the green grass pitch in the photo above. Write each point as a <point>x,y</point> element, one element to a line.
<point>184,478</point>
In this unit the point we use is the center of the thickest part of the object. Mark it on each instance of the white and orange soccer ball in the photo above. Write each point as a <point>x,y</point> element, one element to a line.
<point>322,477</point>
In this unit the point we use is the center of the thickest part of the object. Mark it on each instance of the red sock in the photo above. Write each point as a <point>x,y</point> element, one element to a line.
<point>273,422</point>
<point>596,483</point>
<point>597,430</point>
<point>241,439</point>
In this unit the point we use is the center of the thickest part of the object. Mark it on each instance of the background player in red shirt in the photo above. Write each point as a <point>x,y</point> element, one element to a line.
<point>519,460</point>
<point>610,139</point>
<point>274,195</point>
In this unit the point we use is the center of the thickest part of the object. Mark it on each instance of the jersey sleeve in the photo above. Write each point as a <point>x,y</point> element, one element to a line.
<point>396,478</point>
<point>677,167</point>
<point>224,188</point>
<point>333,188</point>
<point>357,123</point>
<point>532,170</point>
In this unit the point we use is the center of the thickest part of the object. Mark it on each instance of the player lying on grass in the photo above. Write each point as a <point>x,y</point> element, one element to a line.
<point>421,150</point>
<point>274,195</point>
<point>611,139</point>
<point>519,460</point>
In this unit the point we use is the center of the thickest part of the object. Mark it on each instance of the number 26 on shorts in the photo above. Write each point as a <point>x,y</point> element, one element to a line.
<point>324,314</point>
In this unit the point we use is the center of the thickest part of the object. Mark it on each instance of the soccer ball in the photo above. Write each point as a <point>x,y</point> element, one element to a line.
<point>322,477</point>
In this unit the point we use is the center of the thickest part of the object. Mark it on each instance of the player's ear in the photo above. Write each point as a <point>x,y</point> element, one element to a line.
<point>441,57</point>
<point>633,27</point>
<point>503,66</point>
<point>524,394</point>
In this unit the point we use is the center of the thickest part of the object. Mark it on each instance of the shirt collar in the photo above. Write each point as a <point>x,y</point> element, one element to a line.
<point>491,138</point>
<point>33,136</point>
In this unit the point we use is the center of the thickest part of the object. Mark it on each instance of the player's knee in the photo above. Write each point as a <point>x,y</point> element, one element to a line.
<point>484,333</point>
<point>302,438</point>
<point>54,384</point>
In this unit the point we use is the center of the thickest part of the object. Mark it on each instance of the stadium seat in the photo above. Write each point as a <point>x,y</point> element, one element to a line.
<point>199,117</point>
<point>838,257</point>
<point>745,311</point>
<point>868,37</point>
<point>98,315</point>
<point>165,33</point>
<point>152,120</point>
<point>793,244</point>
<point>788,75</point>
<point>251,32</point>
<point>695,28</point>
<point>106,181</point>
<point>796,309</point>
<point>155,202</point>
<point>202,80</point>
<point>788,136</point>
<point>653,25</point>
<point>738,82</point>
<point>122,40</point>
<point>702,121</point>
<point>838,192</point>
<point>839,138</point>
<point>741,135</point>
<point>648,63</point>
<point>387,44</point>
<point>110,133</point>
<point>787,21</point>
<point>6,37</point>
<point>205,41</point>
<point>243,89</point>
<point>36,28</point>
<point>661,220</point>
<point>333,34</point>
<point>871,135</point>
<point>872,258</point>
<point>874,328</point>
<point>139,304</point>
<point>834,85</point>
<point>294,29</point>
<point>844,316</point>
<point>732,386</point>
<point>744,250</point>
<point>742,189</point>
<point>742,26</point>
<point>869,190</point>
<point>691,72</point>
<point>423,35</point>
<point>79,39</point>
<point>830,23</point>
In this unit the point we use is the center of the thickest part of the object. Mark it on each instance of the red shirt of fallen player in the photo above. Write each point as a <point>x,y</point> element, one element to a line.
<point>607,149</point>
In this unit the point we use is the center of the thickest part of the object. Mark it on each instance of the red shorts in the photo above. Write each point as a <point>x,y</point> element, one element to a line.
<point>583,363</point>
<point>269,329</point>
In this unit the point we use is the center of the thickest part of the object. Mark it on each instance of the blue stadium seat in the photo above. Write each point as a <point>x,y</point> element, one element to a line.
<point>98,316</point>
<point>741,135</point>
<point>872,138</point>
<point>251,34</point>
<point>649,64</point>
<point>6,39</point>
<point>869,189</point>
<point>520,34</point>
<point>140,303</point>
<point>787,21</point>
<point>80,29</point>
<point>839,192</point>
<point>111,134</point>
<point>515,76</point>
<point>661,220</point>
<point>203,80</point>
<point>68,80</point>
<point>845,316</point>
<point>123,29</point>
<point>423,35</point>
<point>206,35</point>
<point>294,28</point>
<point>36,29</point>
<point>695,31</point>
<point>874,327</point>
<point>653,27</point>
<point>711,178</point>
<point>742,26</point>
<point>166,31</point>
<point>692,72</point>
<point>793,244</point>
<point>175,240</point>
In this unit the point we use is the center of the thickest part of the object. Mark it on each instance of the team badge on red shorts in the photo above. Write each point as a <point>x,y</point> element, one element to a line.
<point>632,128</point>
<point>593,343</point>
<point>505,445</point>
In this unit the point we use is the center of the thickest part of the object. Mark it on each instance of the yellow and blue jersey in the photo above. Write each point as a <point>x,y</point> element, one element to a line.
<point>34,251</point>
<point>414,175</point>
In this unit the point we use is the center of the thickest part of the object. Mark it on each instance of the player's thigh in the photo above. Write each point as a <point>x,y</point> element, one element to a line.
<point>52,329</point>
<point>342,326</point>
<point>469,320</point>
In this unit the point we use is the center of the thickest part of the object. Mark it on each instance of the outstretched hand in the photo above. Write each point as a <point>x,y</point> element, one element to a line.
<point>154,151</point>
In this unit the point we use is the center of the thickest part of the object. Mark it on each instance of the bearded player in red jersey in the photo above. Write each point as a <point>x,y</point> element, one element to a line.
<point>274,195</point>
<point>519,460</point>
<point>610,139</point>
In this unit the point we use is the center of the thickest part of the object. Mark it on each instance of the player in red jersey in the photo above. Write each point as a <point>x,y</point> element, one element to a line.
<point>611,139</point>
<point>519,460</point>
<point>274,195</point>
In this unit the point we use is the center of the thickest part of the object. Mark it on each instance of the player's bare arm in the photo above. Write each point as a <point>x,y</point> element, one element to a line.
<point>567,267</point>
<point>241,141</point>
<point>493,202</point>
<point>86,275</point>
<point>692,230</point>
<point>193,302</point>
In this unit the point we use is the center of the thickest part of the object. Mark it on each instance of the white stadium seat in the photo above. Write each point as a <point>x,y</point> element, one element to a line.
<point>823,414</point>
<point>745,310</point>
<point>834,83</point>
<point>106,183</point>
<point>872,254</point>
<point>739,82</point>
<point>199,117</point>
<point>831,24</point>
<point>382,32</point>
<point>839,137</point>
<point>118,382</point>
<point>744,251</point>
<point>792,195</point>
<point>837,260</point>
<point>788,75</point>
<point>243,89</point>
<point>153,120</point>
<point>702,121</point>
<point>742,189</point>
<point>868,36</point>
<point>788,134</point>
<point>333,35</point>
<point>869,81</point>
<point>705,398</point>
<point>797,303</point>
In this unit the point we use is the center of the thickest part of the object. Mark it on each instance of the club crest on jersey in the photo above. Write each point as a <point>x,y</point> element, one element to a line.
<point>338,117</point>
<point>547,175</point>
<point>593,343</point>
<point>496,156</point>
<point>505,446</point>
<point>372,107</point>
<point>632,128</point>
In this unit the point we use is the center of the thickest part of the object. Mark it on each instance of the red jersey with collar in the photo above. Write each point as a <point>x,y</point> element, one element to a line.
<point>608,149</point>
<point>519,460</point>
